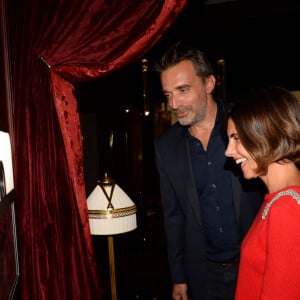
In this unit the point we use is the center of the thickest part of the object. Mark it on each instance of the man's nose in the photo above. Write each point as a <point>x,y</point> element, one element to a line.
<point>173,102</point>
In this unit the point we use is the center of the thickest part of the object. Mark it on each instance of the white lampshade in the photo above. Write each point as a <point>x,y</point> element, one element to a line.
<point>111,211</point>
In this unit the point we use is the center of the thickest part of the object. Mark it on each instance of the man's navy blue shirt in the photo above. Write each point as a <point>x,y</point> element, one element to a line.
<point>213,182</point>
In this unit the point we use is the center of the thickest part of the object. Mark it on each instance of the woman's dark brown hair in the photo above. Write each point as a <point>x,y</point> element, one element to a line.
<point>268,124</point>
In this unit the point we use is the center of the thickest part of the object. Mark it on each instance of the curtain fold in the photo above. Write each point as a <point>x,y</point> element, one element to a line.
<point>53,45</point>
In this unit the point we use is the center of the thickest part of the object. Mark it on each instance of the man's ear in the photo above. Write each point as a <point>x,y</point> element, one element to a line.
<point>210,83</point>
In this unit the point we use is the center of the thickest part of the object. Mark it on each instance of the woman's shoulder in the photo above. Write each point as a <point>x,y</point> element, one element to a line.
<point>285,197</point>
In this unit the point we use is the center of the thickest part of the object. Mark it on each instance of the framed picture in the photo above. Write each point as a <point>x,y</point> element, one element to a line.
<point>9,263</point>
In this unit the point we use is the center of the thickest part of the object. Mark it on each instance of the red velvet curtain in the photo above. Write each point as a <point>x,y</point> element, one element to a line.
<point>54,44</point>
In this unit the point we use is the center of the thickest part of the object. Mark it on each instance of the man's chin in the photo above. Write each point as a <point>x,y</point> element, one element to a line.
<point>184,121</point>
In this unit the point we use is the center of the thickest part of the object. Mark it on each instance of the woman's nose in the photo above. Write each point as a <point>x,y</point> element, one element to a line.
<point>229,150</point>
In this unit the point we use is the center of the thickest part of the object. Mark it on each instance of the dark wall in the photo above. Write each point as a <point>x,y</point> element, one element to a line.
<point>257,39</point>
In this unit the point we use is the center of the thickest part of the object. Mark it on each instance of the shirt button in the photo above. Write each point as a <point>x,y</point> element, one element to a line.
<point>209,163</point>
<point>221,229</point>
<point>217,208</point>
<point>213,186</point>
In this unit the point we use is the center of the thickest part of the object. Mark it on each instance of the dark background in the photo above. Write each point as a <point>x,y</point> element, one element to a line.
<point>258,39</point>
<point>259,42</point>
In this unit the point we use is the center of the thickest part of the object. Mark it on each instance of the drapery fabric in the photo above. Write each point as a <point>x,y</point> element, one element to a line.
<point>53,45</point>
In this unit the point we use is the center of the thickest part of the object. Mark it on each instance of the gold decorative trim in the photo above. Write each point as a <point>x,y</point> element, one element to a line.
<point>112,213</point>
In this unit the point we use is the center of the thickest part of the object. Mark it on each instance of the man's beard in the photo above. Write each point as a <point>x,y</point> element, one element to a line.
<point>197,118</point>
<point>200,115</point>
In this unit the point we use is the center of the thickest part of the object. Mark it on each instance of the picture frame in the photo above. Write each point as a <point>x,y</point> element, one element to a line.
<point>9,264</point>
<point>9,259</point>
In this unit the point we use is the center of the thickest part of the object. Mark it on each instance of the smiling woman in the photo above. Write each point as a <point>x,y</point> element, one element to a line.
<point>264,133</point>
<point>236,151</point>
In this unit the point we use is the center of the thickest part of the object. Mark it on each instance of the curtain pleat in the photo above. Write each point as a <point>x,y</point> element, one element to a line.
<point>53,45</point>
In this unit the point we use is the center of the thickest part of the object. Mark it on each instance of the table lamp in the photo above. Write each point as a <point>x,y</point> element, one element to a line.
<point>111,212</point>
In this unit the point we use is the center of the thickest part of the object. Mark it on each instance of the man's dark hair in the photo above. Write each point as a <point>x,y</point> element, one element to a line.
<point>179,52</point>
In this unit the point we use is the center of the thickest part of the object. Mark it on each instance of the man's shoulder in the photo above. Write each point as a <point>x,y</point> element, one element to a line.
<point>172,133</point>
